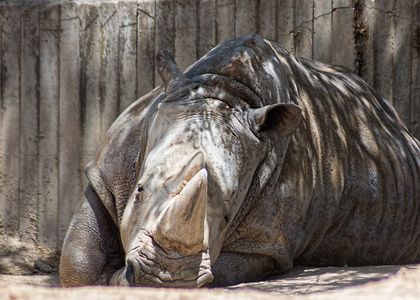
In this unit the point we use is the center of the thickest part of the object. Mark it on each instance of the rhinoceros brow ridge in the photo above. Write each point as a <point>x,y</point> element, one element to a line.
<point>236,89</point>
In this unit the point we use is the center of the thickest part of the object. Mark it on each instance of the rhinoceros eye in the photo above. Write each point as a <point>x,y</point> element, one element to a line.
<point>138,197</point>
<point>224,224</point>
<point>227,219</point>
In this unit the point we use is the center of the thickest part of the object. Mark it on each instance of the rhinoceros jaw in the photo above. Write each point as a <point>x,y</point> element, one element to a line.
<point>181,226</point>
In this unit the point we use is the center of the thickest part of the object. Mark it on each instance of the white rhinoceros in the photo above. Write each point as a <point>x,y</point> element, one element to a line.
<point>251,161</point>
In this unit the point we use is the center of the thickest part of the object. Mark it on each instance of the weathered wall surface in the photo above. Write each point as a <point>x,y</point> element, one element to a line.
<point>69,68</point>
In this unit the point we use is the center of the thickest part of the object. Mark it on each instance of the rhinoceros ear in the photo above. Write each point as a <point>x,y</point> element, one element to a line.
<point>171,75</point>
<point>274,121</point>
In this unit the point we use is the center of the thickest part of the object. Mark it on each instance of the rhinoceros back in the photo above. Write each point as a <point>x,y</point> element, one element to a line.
<point>351,173</point>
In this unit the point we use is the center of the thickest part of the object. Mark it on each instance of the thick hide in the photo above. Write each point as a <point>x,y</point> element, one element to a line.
<point>250,161</point>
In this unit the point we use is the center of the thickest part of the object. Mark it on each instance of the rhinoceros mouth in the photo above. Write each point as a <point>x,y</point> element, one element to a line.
<point>147,264</point>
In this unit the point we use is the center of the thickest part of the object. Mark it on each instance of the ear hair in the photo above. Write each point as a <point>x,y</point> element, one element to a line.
<point>275,121</point>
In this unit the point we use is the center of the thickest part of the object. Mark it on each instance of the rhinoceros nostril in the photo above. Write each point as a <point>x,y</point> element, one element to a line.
<point>129,274</point>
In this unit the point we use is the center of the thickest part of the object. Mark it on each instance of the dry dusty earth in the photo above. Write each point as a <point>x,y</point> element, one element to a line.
<point>375,282</point>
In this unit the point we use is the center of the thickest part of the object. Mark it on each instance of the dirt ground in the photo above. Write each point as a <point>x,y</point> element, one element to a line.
<point>41,281</point>
<point>373,282</point>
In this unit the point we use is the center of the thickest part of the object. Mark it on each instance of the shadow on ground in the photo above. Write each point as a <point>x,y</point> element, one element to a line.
<point>304,280</point>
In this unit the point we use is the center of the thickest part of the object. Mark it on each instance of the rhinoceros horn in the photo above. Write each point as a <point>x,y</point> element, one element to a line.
<point>171,75</point>
<point>181,227</point>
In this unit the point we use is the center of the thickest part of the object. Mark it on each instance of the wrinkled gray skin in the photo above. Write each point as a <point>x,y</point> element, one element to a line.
<point>252,161</point>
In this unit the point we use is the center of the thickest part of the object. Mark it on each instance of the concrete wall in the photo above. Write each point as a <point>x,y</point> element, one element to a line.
<point>68,69</point>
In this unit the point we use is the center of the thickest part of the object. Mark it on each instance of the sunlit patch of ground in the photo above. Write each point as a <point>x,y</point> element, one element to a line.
<point>372,282</point>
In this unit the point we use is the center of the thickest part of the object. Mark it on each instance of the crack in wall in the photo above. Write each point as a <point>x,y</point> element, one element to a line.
<point>146,13</point>
<point>333,10</point>
<point>324,15</point>
<point>391,12</point>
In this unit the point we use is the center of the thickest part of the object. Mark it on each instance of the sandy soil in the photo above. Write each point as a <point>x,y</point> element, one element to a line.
<point>373,282</point>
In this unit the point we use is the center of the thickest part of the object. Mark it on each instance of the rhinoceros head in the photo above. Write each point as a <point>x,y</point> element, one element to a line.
<point>203,148</point>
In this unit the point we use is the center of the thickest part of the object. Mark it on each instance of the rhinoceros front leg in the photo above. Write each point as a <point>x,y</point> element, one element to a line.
<point>92,251</point>
<point>234,268</point>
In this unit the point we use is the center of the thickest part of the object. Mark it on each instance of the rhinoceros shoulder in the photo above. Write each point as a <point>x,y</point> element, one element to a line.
<point>113,170</point>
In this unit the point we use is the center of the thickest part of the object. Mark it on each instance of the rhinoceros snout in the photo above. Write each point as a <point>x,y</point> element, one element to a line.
<point>149,265</point>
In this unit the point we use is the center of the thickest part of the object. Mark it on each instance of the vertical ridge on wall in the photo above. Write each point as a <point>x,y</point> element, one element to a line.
<point>165,29</point>
<point>366,19</point>
<point>383,30</point>
<point>415,71</point>
<point>127,55</point>
<point>110,66</point>
<point>246,15</point>
<point>10,20</point>
<point>49,90</point>
<point>206,26</point>
<point>185,42</point>
<point>69,115</point>
<point>285,20</point>
<point>91,48</point>
<point>323,42</point>
<point>146,20</point>
<point>402,59</point>
<point>267,23</point>
<point>303,28</point>
<point>29,105</point>
<point>225,20</point>
<point>342,36</point>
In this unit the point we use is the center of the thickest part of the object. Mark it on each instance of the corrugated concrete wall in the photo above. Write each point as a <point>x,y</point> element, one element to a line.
<point>68,69</point>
